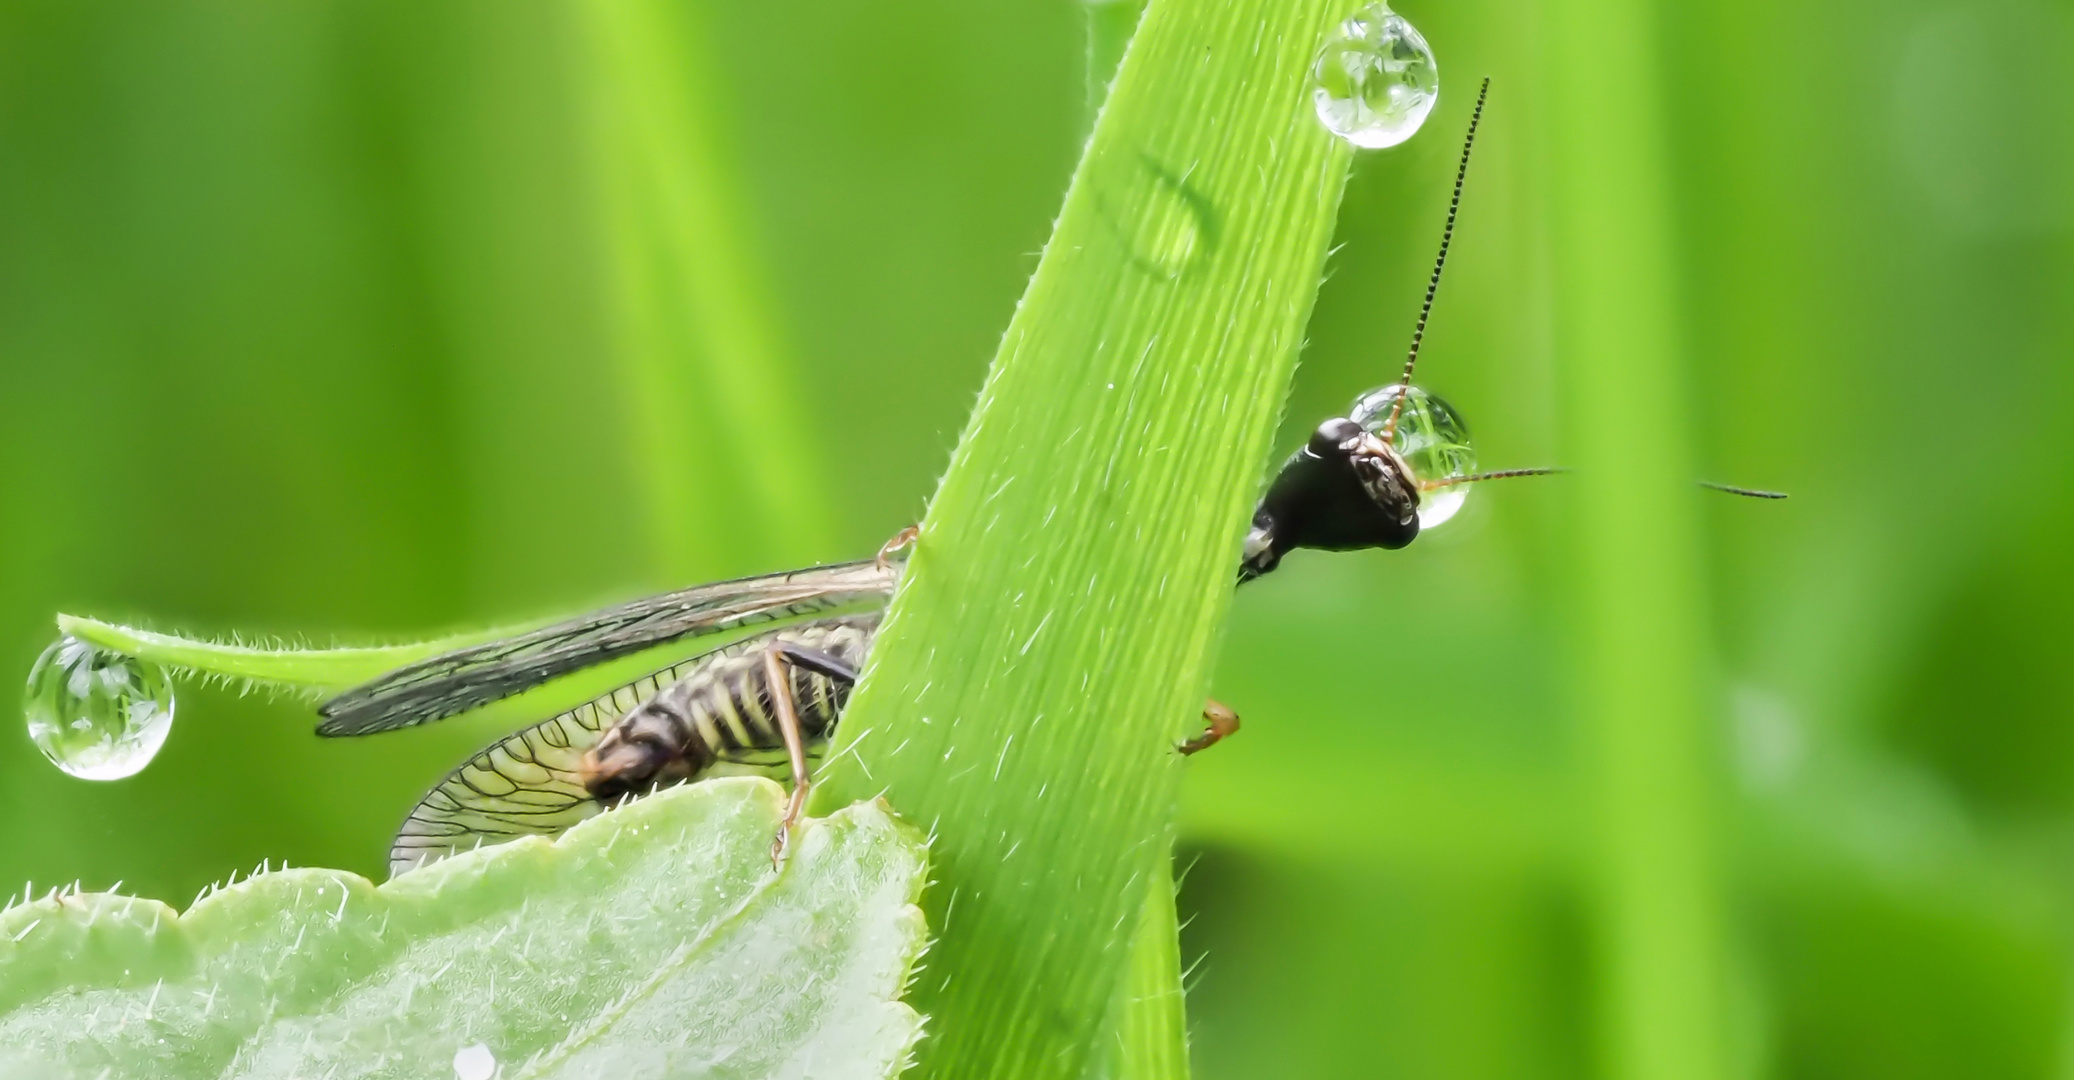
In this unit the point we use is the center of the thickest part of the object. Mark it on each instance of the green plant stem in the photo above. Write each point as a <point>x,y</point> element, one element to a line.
<point>710,393</point>
<point>1059,613</point>
<point>1639,620</point>
<point>1148,1033</point>
<point>318,669</point>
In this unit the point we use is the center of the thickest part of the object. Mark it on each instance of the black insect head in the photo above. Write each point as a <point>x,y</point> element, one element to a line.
<point>1348,488</point>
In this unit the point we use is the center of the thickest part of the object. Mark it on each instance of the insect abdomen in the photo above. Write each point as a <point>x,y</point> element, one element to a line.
<point>723,712</point>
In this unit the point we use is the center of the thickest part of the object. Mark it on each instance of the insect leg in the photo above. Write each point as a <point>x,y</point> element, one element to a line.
<point>776,658</point>
<point>901,541</point>
<point>1222,723</point>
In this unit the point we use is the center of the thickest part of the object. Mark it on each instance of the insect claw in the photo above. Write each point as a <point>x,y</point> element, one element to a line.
<point>901,541</point>
<point>1222,723</point>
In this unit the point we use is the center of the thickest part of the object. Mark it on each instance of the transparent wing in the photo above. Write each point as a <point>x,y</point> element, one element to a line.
<point>525,784</point>
<point>469,678</point>
<point>530,783</point>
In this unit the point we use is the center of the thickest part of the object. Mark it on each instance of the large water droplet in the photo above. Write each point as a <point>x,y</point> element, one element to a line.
<point>1376,79</point>
<point>96,714</point>
<point>1431,438</point>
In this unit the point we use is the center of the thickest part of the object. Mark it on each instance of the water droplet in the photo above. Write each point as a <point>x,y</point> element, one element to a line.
<point>96,714</point>
<point>1375,80</point>
<point>1431,438</point>
<point>474,1063</point>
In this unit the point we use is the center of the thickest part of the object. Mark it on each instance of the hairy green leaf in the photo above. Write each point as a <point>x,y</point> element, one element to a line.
<point>653,941</point>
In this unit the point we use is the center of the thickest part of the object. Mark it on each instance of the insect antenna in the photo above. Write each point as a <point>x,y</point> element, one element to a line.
<point>1507,474</point>
<point>1500,474</point>
<point>1748,493</point>
<point>1447,235</point>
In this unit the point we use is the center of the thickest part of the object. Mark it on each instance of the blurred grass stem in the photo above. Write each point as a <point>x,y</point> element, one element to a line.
<point>1640,620</point>
<point>708,385</point>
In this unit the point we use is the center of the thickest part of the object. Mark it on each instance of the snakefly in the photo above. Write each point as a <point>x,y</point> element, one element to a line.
<point>768,701</point>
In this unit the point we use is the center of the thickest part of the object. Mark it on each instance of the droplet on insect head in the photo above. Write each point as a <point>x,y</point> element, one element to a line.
<point>1431,438</point>
<point>1375,80</point>
<point>474,1062</point>
<point>97,714</point>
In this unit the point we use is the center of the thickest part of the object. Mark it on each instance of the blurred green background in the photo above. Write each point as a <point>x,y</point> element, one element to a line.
<point>367,319</point>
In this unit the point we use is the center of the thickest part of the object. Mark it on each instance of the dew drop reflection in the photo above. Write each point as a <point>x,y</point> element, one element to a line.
<point>1376,79</point>
<point>97,714</point>
<point>1431,437</point>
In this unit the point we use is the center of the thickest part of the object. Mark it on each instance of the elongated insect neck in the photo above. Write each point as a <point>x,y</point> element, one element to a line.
<point>1447,236</point>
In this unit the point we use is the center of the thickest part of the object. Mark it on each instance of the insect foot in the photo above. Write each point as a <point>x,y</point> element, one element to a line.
<point>901,541</point>
<point>782,843</point>
<point>1222,722</point>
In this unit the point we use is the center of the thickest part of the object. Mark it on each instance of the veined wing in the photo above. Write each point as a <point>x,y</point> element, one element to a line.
<point>530,783</point>
<point>525,784</point>
<point>469,678</point>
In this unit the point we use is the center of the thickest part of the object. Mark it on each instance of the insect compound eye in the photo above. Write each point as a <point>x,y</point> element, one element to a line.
<point>1432,440</point>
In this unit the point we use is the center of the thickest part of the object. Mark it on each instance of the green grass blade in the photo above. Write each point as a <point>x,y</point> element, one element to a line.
<point>654,941</point>
<point>1147,1030</point>
<point>1148,1036</point>
<point>315,669</point>
<point>1640,620</point>
<point>1061,607</point>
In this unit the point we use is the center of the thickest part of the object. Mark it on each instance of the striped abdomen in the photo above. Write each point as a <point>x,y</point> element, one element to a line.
<point>722,713</point>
